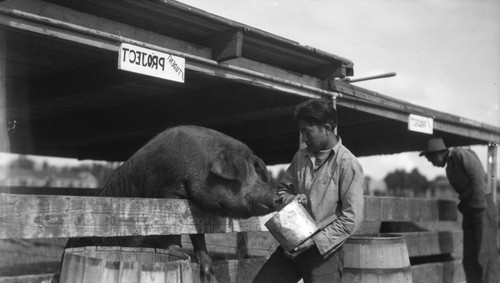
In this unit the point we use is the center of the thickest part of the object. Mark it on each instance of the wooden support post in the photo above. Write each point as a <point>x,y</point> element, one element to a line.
<point>492,170</point>
<point>334,101</point>
<point>241,245</point>
<point>4,132</point>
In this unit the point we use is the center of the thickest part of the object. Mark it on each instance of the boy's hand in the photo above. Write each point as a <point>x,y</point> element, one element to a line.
<point>302,199</point>
<point>300,249</point>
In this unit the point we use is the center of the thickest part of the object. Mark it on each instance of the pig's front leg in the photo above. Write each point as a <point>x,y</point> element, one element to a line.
<point>201,253</point>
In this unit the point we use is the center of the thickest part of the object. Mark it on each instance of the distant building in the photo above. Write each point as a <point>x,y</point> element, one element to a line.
<point>440,188</point>
<point>18,177</point>
<point>375,187</point>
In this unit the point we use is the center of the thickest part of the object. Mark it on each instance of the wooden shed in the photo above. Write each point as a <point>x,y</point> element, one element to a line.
<point>65,96</point>
<point>62,92</point>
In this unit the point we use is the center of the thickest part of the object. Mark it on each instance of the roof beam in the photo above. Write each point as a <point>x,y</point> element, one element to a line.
<point>375,103</point>
<point>226,45</point>
<point>332,70</point>
<point>110,41</point>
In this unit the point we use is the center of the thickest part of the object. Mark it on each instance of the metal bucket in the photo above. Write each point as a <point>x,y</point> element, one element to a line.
<point>292,225</point>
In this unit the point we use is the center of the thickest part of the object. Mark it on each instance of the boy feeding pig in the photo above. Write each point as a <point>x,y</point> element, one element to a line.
<point>328,180</point>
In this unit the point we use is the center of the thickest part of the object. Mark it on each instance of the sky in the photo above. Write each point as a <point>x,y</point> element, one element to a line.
<point>446,53</point>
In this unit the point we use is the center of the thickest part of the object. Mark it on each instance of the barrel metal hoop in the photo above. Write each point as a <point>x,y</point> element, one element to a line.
<point>376,239</point>
<point>377,270</point>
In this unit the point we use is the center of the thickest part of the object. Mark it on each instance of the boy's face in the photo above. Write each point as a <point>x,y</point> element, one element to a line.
<point>314,136</point>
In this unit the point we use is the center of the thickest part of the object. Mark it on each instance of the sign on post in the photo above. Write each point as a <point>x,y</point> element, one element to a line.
<point>151,63</point>
<point>420,124</point>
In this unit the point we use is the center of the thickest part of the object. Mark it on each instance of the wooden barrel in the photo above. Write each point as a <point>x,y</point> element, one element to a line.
<point>376,258</point>
<point>120,264</point>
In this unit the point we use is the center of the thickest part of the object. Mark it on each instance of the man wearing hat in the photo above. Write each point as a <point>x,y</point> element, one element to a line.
<point>467,176</point>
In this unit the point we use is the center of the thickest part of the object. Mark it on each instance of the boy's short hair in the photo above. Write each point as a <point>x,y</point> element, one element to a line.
<point>317,112</point>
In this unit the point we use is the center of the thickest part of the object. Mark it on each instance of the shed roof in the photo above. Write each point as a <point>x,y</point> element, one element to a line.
<point>69,99</point>
<point>189,24</point>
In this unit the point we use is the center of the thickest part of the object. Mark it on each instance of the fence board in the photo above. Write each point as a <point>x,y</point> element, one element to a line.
<point>409,209</point>
<point>43,216</point>
<point>244,270</point>
<point>35,216</point>
<point>446,272</point>
<point>34,278</point>
<point>434,243</point>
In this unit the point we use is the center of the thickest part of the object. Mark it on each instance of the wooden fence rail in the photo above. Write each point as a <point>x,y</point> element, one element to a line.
<point>29,216</point>
<point>46,216</point>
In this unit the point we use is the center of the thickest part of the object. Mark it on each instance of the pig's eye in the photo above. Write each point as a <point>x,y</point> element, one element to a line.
<point>262,172</point>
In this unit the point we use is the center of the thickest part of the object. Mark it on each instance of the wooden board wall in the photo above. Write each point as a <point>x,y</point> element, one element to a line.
<point>42,216</point>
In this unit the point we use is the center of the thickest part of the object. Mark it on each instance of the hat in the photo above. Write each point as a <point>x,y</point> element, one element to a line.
<point>434,145</point>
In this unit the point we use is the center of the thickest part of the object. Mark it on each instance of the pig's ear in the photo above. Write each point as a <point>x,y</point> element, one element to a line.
<point>230,165</point>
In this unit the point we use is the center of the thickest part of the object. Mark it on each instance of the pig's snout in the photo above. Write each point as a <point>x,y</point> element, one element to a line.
<point>260,202</point>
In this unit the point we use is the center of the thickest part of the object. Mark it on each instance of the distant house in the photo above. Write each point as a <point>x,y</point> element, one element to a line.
<point>18,177</point>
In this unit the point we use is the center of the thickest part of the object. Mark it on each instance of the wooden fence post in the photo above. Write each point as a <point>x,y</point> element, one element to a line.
<point>241,245</point>
<point>334,101</point>
<point>4,132</point>
<point>492,170</point>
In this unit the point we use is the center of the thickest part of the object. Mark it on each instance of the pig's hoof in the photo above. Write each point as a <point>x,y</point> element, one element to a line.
<point>206,264</point>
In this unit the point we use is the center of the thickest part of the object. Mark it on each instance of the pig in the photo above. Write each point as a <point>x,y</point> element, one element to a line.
<point>217,173</point>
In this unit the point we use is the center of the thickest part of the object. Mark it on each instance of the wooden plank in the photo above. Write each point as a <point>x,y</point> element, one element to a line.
<point>37,216</point>
<point>30,256</point>
<point>434,243</point>
<point>492,169</point>
<point>301,79</point>
<point>108,41</point>
<point>195,24</point>
<point>227,45</point>
<point>382,109</point>
<point>446,272</point>
<point>409,209</point>
<point>232,271</point>
<point>55,191</point>
<point>4,133</point>
<point>32,216</point>
<point>331,70</point>
<point>17,20</point>
<point>245,270</point>
<point>61,15</point>
<point>59,25</point>
<point>372,102</point>
<point>259,46</point>
<point>33,278</point>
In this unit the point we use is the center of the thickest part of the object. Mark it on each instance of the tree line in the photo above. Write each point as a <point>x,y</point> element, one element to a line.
<point>102,171</point>
<point>398,182</point>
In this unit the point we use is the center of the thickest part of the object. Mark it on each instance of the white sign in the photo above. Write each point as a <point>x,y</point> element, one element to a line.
<point>420,124</point>
<point>150,62</point>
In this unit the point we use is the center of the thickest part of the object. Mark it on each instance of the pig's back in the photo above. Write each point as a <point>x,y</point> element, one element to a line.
<point>204,140</point>
<point>173,156</point>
